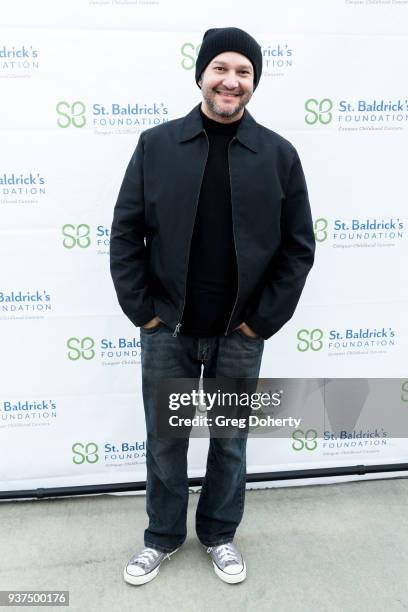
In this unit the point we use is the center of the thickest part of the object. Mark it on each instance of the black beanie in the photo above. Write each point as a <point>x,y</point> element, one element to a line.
<point>218,40</point>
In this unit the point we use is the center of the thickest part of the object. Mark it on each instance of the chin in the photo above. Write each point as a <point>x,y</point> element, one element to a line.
<point>226,112</point>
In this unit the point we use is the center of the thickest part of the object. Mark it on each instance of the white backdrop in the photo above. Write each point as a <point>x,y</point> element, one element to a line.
<point>79,82</point>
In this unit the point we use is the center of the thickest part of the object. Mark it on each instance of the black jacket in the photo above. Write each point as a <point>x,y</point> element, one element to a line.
<point>154,217</point>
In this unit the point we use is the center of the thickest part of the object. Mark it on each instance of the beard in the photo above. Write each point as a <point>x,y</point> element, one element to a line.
<point>209,95</point>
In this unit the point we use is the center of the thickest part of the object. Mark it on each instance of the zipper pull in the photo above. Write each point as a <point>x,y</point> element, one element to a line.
<point>177,330</point>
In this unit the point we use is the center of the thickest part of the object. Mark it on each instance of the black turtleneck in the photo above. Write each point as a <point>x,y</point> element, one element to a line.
<point>212,271</point>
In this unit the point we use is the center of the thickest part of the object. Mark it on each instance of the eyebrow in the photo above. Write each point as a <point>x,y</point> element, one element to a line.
<point>246,66</point>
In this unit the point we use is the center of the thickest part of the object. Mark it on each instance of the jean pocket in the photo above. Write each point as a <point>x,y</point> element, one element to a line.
<point>250,338</point>
<point>151,330</point>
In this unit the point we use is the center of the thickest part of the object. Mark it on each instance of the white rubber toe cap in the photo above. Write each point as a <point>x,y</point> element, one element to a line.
<point>233,569</point>
<point>135,570</point>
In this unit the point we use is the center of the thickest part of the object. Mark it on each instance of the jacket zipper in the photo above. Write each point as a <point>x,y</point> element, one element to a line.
<point>179,324</point>
<point>233,233</point>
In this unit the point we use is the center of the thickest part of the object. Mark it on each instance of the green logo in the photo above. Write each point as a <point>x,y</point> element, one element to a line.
<point>309,339</point>
<point>76,235</point>
<point>189,53</point>
<point>320,227</point>
<point>81,348</point>
<point>89,453</point>
<point>304,440</point>
<point>404,391</point>
<point>318,111</point>
<point>71,114</point>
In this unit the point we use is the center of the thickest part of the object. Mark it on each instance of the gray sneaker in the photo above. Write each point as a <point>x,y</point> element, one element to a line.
<point>229,564</point>
<point>145,565</point>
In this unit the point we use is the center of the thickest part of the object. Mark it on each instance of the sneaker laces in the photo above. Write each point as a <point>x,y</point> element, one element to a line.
<point>146,556</point>
<point>226,553</point>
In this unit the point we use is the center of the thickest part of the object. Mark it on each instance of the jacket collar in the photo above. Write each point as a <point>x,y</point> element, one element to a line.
<point>247,132</point>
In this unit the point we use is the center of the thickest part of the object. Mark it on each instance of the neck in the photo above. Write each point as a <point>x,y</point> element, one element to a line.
<point>209,113</point>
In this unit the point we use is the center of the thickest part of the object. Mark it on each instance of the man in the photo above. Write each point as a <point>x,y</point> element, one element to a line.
<point>211,244</point>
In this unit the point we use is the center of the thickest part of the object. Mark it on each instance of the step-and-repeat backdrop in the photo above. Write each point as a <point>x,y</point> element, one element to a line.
<point>79,82</point>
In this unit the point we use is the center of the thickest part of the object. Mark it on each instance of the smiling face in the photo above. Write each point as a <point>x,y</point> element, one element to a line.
<point>227,86</point>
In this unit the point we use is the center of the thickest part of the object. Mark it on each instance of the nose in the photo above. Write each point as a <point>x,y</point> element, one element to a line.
<point>230,81</point>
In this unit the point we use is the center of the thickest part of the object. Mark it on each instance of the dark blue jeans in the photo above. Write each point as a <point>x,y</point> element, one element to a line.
<point>221,503</point>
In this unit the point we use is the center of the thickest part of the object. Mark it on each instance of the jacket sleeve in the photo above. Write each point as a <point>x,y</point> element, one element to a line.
<point>129,263</point>
<point>289,267</point>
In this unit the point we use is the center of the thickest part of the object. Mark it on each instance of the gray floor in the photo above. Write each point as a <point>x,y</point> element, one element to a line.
<point>339,547</point>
